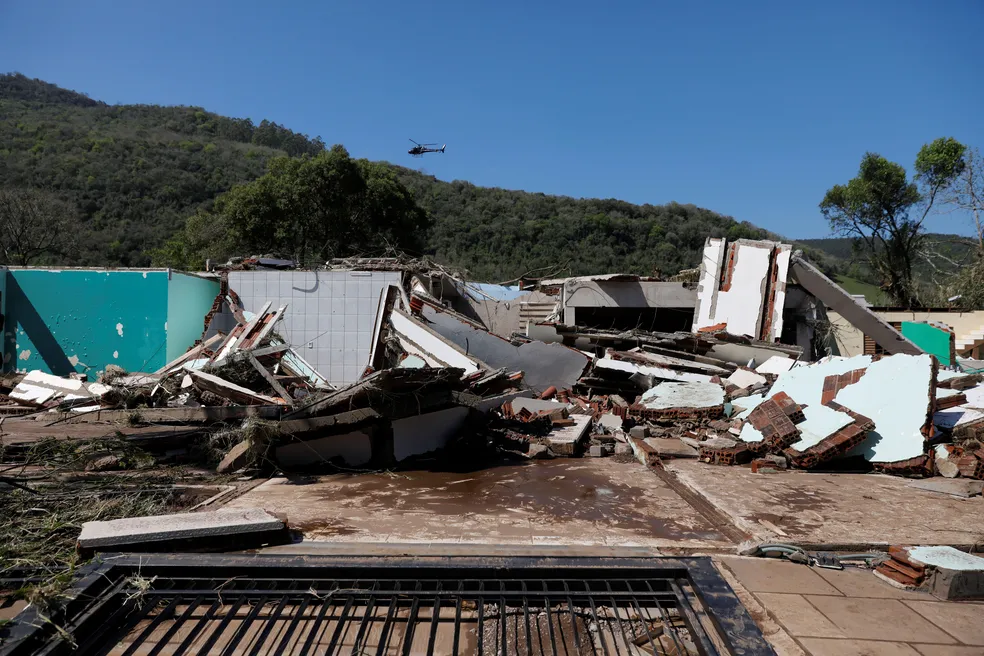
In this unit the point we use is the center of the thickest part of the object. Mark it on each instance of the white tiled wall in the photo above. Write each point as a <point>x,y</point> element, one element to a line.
<point>330,314</point>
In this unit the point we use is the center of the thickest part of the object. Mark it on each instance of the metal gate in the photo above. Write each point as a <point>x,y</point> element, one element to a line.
<point>209,604</point>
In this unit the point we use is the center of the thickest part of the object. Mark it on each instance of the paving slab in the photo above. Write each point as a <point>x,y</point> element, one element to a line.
<point>828,647</point>
<point>947,650</point>
<point>770,575</point>
<point>596,501</point>
<point>799,617</point>
<point>964,621</point>
<point>854,582</point>
<point>878,619</point>
<point>834,508</point>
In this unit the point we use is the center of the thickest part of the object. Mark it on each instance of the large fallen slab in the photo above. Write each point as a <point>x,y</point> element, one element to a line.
<point>805,385</point>
<point>690,400</point>
<point>619,363</point>
<point>897,393</point>
<point>423,341</point>
<point>543,365</point>
<point>216,530</point>
<point>834,297</point>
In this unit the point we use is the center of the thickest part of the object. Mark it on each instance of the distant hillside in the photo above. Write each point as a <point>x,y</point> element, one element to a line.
<point>136,172</point>
<point>943,255</point>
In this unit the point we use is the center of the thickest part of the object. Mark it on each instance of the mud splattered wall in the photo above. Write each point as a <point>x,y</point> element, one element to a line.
<point>189,298</point>
<point>60,321</point>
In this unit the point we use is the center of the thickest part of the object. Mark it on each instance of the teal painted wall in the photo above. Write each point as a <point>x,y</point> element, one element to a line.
<point>82,320</point>
<point>189,298</point>
<point>3,331</point>
<point>929,338</point>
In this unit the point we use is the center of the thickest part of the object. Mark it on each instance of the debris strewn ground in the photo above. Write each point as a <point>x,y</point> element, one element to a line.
<point>732,427</point>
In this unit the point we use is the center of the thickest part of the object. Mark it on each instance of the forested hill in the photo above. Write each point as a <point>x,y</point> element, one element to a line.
<point>137,172</point>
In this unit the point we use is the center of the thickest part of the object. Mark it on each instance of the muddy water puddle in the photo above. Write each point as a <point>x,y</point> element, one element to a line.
<point>548,493</point>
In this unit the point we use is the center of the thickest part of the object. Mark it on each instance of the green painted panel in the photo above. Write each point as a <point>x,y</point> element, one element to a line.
<point>82,320</point>
<point>930,339</point>
<point>189,298</point>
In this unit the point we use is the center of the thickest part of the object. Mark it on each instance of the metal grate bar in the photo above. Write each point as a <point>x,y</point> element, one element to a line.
<point>245,606</point>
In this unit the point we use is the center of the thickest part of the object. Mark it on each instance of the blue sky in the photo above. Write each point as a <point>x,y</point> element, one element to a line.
<point>752,109</point>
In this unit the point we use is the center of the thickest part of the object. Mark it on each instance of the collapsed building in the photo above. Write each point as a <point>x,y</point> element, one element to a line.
<point>269,373</point>
<point>379,361</point>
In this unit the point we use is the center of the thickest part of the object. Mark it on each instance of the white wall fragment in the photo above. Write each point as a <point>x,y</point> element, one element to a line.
<point>895,393</point>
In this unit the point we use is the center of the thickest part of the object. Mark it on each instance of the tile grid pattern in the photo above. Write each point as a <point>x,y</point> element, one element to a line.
<point>330,314</point>
<point>851,613</point>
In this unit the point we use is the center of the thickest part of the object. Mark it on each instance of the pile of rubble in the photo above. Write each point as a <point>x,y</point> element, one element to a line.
<point>727,391</point>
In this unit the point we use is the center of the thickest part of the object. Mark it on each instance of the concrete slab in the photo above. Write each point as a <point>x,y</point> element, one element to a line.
<point>599,502</point>
<point>835,509</point>
<point>777,364</point>
<point>671,447</point>
<point>947,650</point>
<point>776,576</point>
<point>425,433</point>
<point>801,619</point>
<point>957,487</point>
<point>962,621</point>
<point>683,395</point>
<point>852,582</point>
<point>353,449</point>
<point>895,392</point>
<point>564,441</point>
<point>745,378</point>
<point>833,647</point>
<point>159,528</point>
<point>878,619</point>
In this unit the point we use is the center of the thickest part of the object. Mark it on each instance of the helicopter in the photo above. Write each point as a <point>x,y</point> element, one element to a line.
<point>418,150</point>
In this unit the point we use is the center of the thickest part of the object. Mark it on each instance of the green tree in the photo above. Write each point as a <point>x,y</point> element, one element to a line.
<point>880,209</point>
<point>308,208</point>
<point>34,224</point>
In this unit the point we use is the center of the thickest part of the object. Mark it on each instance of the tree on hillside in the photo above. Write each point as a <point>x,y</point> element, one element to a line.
<point>33,224</point>
<point>308,208</point>
<point>885,212</point>
<point>966,194</point>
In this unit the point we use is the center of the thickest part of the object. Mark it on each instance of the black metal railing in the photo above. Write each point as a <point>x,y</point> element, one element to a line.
<point>268,605</point>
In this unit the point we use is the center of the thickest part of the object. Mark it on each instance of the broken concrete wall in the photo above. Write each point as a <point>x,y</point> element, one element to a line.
<point>189,298</point>
<point>850,340</point>
<point>413,436</point>
<point>837,300</point>
<point>933,339</point>
<point>648,304</point>
<point>354,449</point>
<point>63,321</point>
<point>331,316</point>
<point>543,365</point>
<point>742,288</point>
<point>898,394</point>
<point>423,341</point>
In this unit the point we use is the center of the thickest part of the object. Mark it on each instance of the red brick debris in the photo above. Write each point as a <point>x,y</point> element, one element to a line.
<point>833,384</point>
<point>777,429</point>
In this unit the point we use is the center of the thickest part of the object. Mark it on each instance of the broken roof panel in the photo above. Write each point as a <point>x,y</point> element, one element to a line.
<point>656,372</point>
<point>417,339</point>
<point>543,365</point>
